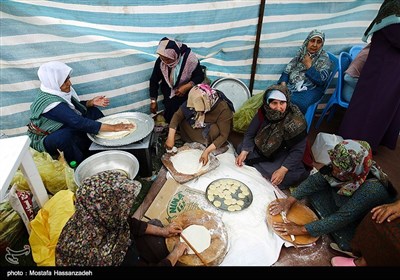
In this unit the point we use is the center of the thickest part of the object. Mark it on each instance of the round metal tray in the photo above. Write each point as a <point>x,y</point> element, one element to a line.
<point>234,89</point>
<point>144,123</point>
<point>226,188</point>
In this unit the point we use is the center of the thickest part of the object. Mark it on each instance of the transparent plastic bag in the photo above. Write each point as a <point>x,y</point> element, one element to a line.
<point>243,117</point>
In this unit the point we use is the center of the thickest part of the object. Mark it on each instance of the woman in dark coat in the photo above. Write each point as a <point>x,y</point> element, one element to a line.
<point>275,140</point>
<point>374,111</point>
<point>176,71</point>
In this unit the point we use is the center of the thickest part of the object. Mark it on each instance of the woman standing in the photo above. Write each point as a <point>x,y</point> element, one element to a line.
<point>374,111</point>
<point>275,140</point>
<point>307,73</point>
<point>175,72</point>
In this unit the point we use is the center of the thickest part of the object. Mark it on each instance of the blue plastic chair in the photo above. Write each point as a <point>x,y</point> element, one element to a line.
<point>336,98</point>
<point>312,108</point>
<point>355,50</point>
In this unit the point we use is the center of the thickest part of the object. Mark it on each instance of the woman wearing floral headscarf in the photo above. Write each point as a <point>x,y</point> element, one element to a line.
<point>206,118</point>
<point>342,192</point>
<point>101,232</point>
<point>275,140</point>
<point>176,71</point>
<point>306,74</point>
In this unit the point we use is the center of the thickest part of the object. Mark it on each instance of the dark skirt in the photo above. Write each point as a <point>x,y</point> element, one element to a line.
<point>379,244</point>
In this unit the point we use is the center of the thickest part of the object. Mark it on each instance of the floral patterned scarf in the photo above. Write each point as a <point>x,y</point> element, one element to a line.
<point>351,161</point>
<point>98,233</point>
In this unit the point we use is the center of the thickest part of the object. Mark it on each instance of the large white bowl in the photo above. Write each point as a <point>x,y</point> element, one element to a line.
<point>107,160</point>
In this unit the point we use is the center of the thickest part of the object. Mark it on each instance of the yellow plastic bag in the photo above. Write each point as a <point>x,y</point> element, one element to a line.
<point>47,226</point>
<point>243,117</point>
<point>51,171</point>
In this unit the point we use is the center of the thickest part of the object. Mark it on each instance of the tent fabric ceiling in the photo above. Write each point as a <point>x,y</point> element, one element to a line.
<point>111,44</point>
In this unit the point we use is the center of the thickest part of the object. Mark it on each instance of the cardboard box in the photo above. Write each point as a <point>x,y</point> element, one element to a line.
<point>173,199</point>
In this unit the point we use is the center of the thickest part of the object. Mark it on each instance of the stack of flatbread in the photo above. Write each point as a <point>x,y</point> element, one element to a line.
<point>113,135</point>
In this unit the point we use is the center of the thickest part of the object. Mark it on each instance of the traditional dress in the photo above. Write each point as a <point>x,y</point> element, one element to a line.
<point>344,191</point>
<point>206,117</point>
<point>59,120</point>
<point>307,85</point>
<point>184,68</point>
<point>101,232</point>
<point>374,111</point>
<point>274,139</point>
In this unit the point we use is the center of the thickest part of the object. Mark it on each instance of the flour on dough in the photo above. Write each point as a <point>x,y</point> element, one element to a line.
<point>112,135</point>
<point>187,161</point>
<point>198,236</point>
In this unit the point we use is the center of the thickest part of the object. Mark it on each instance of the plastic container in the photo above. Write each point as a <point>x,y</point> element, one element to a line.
<point>70,175</point>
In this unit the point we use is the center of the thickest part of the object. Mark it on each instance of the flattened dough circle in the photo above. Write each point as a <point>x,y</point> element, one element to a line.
<point>198,236</point>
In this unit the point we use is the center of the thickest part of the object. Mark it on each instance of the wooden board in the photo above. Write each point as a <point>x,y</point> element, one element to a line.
<point>299,214</point>
<point>214,254</point>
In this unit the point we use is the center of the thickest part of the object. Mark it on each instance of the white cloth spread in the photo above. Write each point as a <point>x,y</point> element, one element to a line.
<point>251,242</point>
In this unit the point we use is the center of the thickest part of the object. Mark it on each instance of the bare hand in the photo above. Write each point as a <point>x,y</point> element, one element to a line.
<point>307,61</point>
<point>153,107</point>
<point>204,157</point>
<point>172,229</point>
<point>278,175</point>
<point>389,212</point>
<point>281,205</point>
<point>100,101</point>
<point>241,158</point>
<point>288,228</point>
<point>123,126</point>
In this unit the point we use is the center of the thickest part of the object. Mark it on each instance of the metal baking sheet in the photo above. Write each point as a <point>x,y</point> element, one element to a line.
<point>144,123</point>
<point>225,187</point>
<point>234,89</point>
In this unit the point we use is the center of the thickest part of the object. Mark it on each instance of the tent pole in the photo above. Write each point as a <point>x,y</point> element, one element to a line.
<point>256,46</point>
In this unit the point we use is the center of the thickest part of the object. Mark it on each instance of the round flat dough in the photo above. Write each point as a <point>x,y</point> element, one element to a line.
<point>198,236</point>
<point>112,135</point>
<point>187,162</point>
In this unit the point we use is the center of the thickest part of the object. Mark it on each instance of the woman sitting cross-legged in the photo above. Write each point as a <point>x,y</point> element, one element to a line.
<point>275,140</point>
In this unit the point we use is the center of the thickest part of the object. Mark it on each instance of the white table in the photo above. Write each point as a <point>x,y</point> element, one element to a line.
<point>14,153</point>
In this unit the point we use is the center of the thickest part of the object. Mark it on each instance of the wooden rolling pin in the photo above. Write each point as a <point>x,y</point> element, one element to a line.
<point>194,250</point>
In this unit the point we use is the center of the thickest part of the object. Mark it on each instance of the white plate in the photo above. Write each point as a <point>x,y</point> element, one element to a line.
<point>234,89</point>
<point>144,123</point>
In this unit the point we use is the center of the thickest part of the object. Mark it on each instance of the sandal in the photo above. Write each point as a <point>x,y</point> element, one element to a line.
<point>342,261</point>
<point>335,247</point>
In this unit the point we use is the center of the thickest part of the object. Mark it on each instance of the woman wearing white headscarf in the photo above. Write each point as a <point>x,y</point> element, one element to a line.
<point>307,73</point>
<point>59,120</point>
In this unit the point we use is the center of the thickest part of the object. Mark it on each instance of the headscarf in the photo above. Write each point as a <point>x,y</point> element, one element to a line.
<point>297,70</point>
<point>283,129</point>
<point>388,14</point>
<point>201,99</point>
<point>98,233</point>
<point>183,65</point>
<point>353,159</point>
<point>52,76</point>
